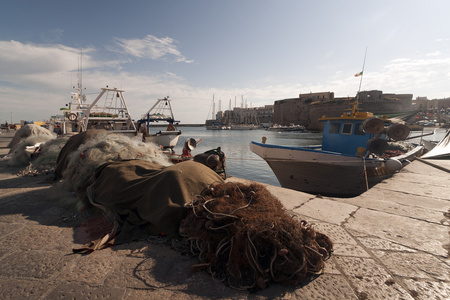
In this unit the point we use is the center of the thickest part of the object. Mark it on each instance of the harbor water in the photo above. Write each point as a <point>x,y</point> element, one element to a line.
<point>243,163</point>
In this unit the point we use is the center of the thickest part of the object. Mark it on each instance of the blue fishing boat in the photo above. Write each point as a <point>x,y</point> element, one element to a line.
<point>355,155</point>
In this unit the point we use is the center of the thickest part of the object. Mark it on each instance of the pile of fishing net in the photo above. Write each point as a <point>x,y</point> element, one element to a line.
<point>27,131</point>
<point>243,237</point>
<point>397,148</point>
<point>35,147</point>
<point>85,152</point>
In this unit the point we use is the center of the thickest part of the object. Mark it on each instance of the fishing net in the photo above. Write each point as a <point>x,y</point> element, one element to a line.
<point>29,130</point>
<point>46,156</point>
<point>243,237</point>
<point>20,155</point>
<point>81,161</point>
<point>397,148</point>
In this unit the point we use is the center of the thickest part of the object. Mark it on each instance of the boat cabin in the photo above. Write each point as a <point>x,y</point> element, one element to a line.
<point>346,134</point>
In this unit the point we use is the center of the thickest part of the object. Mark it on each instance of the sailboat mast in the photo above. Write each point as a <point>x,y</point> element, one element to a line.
<point>213,117</point>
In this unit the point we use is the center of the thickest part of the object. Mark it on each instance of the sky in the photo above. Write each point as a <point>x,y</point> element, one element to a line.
<point>237,51</point>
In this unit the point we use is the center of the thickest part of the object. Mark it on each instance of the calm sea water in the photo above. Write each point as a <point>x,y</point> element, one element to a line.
<point>243,163</point>
<point>240,161</point>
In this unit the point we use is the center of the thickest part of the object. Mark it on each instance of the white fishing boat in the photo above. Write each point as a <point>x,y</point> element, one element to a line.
<point>108,111</point>
<point>352,158</point>
<point>282,128</point>
<point>161,111</point>
<point>244,126</point>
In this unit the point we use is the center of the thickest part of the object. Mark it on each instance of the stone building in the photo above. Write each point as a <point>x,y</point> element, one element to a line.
<point>257,115</point>
<point>308,108</point>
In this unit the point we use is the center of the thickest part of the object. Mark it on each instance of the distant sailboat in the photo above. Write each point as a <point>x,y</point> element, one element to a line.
<point>212,123</point>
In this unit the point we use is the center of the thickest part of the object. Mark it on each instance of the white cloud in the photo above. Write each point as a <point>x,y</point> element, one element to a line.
<point>435,53</point>
<point>149,47</point>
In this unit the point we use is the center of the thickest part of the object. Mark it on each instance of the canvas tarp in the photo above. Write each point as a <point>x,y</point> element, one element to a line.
<point>140,194</point>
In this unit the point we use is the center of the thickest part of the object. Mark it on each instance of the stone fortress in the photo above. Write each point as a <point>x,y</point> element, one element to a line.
<point>308,108</point>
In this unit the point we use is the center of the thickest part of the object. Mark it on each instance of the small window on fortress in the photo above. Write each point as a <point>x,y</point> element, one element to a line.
<point>334,128</point>
<point>347,128</point>
<point>359,130</point>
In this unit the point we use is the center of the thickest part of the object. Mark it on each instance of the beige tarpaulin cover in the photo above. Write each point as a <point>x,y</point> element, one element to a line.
<point>140,194</point>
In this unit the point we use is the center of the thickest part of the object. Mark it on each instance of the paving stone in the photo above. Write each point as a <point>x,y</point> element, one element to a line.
<point>419,172</point>
<point>133,294</point>
<point>92,268</point>
<point>360,267</point>
<point>404,199</point>
<point>11,288</point>
<point>28,206</point>
<point>138,249</point>
<point>299,217</point>
<point>33,264</point>
<point>349,250</point>
<point>418,185</point>
<point>336,233</point>
<point>379,287</point>
<point>8,228</point>
<point>8,196</point>
<point>35,237</point>
<point>428,290</point>
<point>160,266</point>
<point>389,206</point>
<point>119,277</point>
<point>4,252</point>
<point>326,210</point>
<point>81,291</point>
<point>376,243</point>
<point>402,230</point>
<point>290,199</point>
<point>415,265</point>
<point>330,266</point>
<point>326,287</point>
<point>369,280</point>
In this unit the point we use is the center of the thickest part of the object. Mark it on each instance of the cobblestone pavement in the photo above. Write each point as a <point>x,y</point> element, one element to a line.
<point>392,242</point>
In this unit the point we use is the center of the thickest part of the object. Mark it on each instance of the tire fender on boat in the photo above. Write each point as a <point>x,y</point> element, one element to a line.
<point>393,165</point>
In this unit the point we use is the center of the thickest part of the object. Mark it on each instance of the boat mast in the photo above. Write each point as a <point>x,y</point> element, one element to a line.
<point>80,73</point>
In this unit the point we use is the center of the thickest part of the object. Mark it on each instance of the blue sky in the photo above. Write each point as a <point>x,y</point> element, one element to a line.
<point>260,50</point>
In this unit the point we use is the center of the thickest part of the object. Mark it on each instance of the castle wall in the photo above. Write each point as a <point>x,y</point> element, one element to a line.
<point>308,108</point>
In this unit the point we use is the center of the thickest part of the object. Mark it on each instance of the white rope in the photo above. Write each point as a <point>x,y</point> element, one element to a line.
<point>365,173</point>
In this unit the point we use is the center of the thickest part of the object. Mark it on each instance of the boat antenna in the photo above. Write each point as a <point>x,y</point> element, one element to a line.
<point>80,72</point>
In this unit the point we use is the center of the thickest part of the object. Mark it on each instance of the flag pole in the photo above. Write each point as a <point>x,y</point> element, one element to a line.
<point>362,72</point>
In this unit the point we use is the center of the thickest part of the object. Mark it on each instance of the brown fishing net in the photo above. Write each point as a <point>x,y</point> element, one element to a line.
<point>244,238</point>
